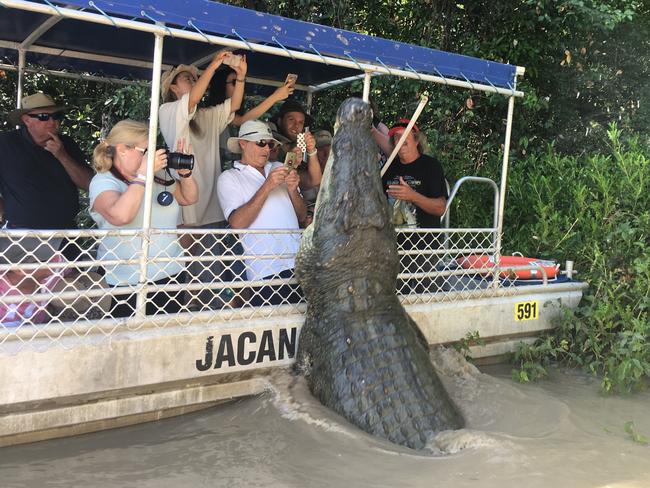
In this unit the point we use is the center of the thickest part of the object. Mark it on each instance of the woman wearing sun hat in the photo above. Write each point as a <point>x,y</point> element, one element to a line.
<point>181,118</point>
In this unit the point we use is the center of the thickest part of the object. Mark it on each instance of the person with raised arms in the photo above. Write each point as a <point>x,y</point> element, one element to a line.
<point>182,118</point>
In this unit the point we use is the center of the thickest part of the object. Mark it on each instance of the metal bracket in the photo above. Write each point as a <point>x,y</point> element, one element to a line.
<point>92,4</point>
<point>471,85</point>
<point>146,15</point>
<point>390,72</point>
<point>191,24</point>
<point>354,61</point>
<point>274,39</point>
<point>444,80</point>
<point>412,69</point>
<point>243,40</point>
<point>319,54</point>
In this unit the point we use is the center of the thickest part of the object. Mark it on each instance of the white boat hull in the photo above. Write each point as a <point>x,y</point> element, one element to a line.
<point>90,383</point>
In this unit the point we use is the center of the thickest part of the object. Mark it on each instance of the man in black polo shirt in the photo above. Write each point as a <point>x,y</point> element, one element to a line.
<point>40,169</point>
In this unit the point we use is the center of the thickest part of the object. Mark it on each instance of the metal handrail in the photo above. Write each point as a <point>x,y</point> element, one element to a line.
<point>477,179</point>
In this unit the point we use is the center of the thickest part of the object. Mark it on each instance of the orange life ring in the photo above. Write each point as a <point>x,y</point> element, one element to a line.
<point>478,261</point>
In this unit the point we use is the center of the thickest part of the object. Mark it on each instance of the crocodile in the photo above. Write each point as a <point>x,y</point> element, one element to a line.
<point>363,355</point>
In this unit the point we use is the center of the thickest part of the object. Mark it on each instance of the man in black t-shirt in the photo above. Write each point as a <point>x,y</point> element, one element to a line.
<point>40,169</point>
<point>416,180</point>
<point>416,189</point>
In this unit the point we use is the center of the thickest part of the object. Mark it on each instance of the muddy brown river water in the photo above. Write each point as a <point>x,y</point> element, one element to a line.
<point>557,433</point>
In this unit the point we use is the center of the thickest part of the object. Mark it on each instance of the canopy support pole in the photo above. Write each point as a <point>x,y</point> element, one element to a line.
<point>21,77</point>
<point>366,86</point>
<point>140,309</point>
<point>310,100</point>
<point>504,178</point>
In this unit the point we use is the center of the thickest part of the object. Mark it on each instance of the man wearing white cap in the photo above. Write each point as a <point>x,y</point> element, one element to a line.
<point>259,194</point>
<point>41,170</point>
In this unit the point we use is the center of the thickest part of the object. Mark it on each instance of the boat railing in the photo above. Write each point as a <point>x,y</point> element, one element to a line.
<point>215,277</point>
<point>472,179</point>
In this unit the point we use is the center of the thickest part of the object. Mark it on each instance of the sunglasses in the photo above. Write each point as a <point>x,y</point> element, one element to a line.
<point>142,150</point>
<point>44,117</point>
<point>231,82</point>
<point>264,143</point>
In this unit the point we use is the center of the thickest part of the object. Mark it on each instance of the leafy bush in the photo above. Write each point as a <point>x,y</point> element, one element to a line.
<point>594,209</point>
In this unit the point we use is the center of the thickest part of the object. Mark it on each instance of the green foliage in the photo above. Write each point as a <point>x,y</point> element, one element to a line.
<point>595,209</point>
<point>630,429</point>
<point>128,102</point>
<point>533,362</point>
<point>471,339</point>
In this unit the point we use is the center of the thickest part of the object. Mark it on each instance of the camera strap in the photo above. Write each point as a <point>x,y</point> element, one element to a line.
<point>161,181</point>
<point>164,181</point>
<point>164,198</point>
<point>114,171</point>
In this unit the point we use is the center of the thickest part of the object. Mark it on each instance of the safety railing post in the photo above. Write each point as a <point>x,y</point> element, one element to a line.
<point>148,193</point>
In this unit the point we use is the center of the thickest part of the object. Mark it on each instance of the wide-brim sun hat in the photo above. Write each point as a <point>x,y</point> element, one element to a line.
<point>36,101</point>
<point>168,76</point>
<point>252,130</point>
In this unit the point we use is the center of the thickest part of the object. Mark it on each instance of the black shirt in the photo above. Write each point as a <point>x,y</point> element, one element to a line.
<point>38,192</point>
<point>426,177</point>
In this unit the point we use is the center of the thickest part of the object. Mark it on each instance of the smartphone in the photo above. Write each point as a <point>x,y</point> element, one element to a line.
<point>291,161</point>
<point>232,59</point>
<point>291,79</point>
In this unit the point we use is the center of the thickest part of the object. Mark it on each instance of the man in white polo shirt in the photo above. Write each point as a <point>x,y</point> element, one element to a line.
<point>260,194</point>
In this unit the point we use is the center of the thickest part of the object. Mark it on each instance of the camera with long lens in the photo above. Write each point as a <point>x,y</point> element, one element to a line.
<point>176,160</point>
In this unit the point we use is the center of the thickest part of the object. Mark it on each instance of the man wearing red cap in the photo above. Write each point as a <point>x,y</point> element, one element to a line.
<point>415,184</point>
<point>415,180</point>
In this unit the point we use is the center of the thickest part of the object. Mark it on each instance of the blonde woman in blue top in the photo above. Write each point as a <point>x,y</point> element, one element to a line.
<point>117,202</point>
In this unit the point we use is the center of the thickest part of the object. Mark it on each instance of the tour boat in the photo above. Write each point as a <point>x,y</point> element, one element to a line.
<point>79,370</point>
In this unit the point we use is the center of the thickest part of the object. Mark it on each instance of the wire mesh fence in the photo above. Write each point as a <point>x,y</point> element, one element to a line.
<point>90,283</point>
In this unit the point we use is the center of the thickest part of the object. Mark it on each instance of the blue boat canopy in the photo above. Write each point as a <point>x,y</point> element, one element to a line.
<point>63,44</point>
